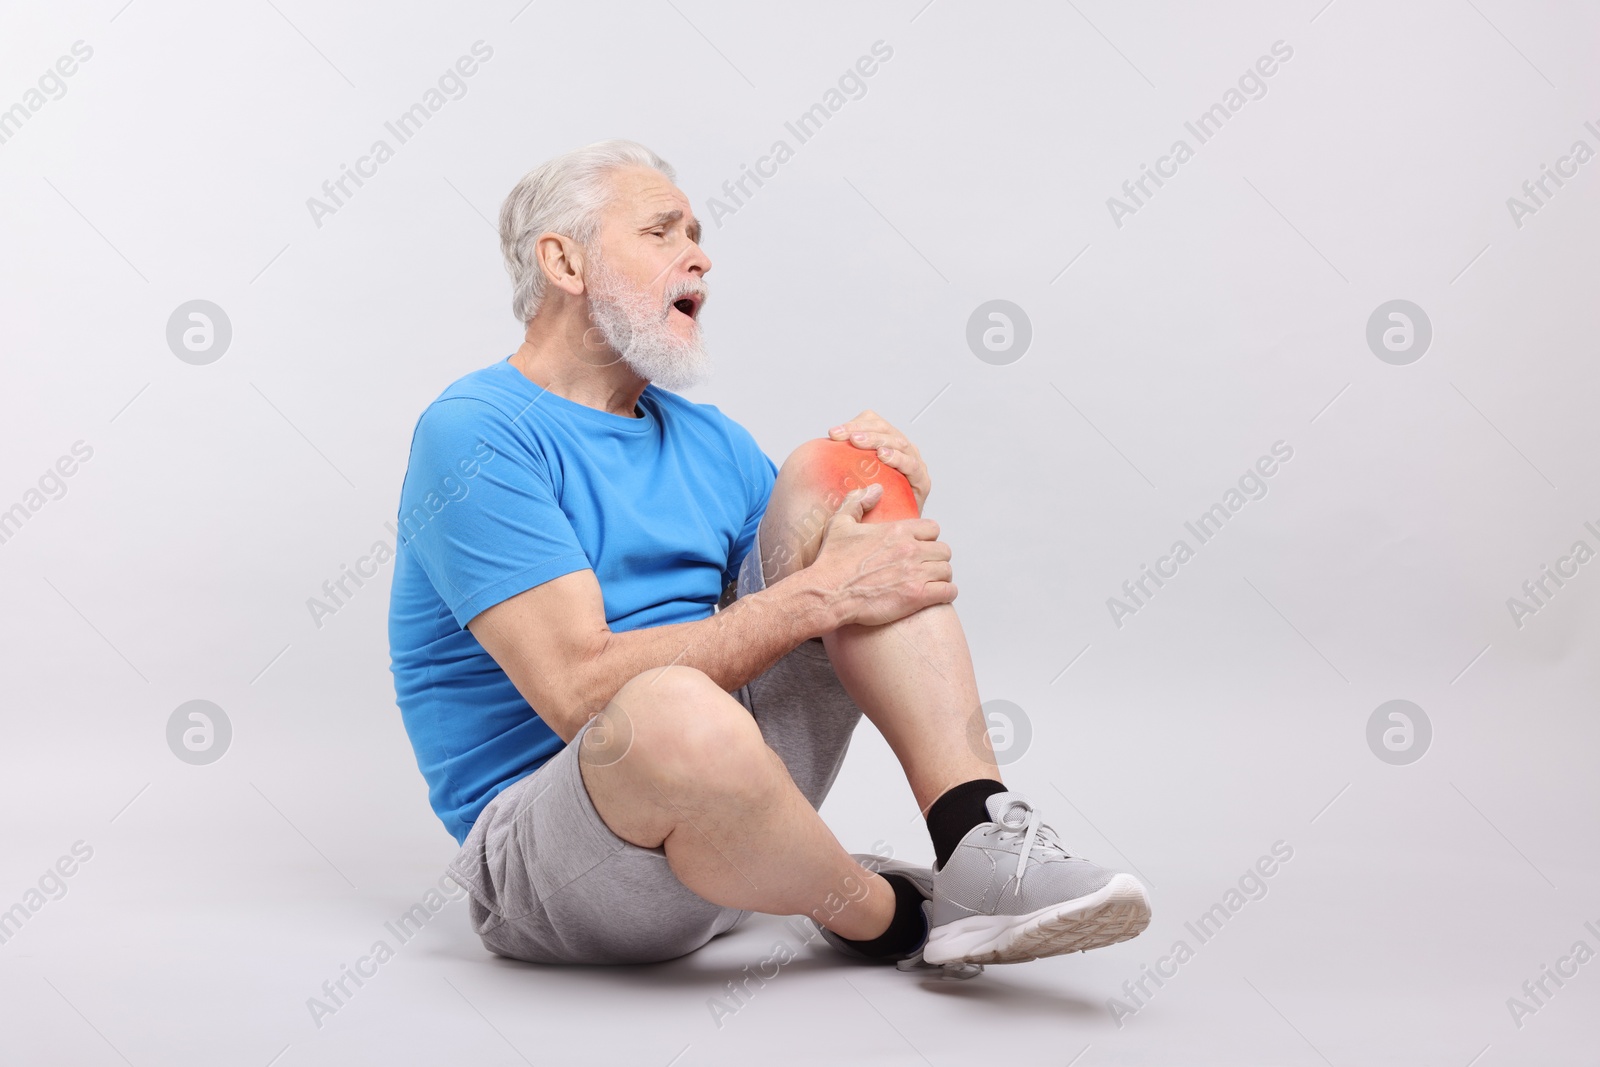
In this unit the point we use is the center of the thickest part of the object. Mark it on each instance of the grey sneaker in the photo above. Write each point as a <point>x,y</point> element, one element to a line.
<point>922,878</point>
<point>1012,893</point>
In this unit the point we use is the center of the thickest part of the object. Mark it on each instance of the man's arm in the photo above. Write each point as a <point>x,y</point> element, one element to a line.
<point>554,644</point>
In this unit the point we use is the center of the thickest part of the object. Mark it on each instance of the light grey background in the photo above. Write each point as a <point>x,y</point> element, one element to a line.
<point>1228,313</point>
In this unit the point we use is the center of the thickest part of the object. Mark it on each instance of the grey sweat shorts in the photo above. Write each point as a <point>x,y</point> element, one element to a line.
<point>548,881</point>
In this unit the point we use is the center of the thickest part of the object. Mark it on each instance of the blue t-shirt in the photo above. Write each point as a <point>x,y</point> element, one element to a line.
<point>509,486</point>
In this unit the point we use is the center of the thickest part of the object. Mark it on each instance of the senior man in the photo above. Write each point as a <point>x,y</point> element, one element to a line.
<point>630,650</point>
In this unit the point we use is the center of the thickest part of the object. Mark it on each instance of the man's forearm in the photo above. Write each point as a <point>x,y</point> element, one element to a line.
<point>733,646</point>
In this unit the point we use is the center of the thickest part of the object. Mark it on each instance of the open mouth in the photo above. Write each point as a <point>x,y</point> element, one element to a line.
<point>688,306</point>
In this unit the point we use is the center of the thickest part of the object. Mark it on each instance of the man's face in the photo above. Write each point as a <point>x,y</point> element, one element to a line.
<point>645,280</point>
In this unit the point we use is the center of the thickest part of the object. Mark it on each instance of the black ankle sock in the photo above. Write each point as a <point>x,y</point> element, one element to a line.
<point>906,930</point>
<point>958,810</point>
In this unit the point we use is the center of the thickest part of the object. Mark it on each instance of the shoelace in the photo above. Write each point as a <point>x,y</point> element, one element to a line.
<point>1029,827</point>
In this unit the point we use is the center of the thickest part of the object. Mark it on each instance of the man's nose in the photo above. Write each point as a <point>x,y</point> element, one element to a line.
<point>697,262</point>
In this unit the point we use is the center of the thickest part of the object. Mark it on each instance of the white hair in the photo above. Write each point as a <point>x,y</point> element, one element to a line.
<point>565,195</point>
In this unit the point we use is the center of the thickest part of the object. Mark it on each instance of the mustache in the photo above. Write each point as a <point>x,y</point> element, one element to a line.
<point>687,287</point>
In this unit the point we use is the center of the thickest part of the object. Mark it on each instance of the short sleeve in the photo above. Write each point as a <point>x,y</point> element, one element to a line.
<point>479,511</point>
<point>759,475</point>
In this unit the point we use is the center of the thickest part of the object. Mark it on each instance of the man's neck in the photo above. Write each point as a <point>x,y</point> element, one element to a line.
<point>558,359</point>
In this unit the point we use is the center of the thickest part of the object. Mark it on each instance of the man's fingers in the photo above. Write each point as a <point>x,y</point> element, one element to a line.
<point>857,502</point>
<point>907,464</point>
<point>899,458</point>
<point>866,420</point>
<point>878,439</point>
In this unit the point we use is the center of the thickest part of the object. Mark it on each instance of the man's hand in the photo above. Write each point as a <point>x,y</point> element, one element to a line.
<point>869,431</point>
<point>876,573</point>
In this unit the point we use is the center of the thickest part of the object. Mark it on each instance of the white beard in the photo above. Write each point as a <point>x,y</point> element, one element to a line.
<point>636,327</point>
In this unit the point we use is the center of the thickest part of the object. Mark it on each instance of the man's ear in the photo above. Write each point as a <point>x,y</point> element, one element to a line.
<point>561,259</point>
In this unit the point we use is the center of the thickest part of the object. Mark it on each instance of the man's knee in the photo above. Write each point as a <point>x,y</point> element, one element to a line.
<point>673,685</point>
<point>684,730</point>
<point>825,470</point>
<point>811,485</point>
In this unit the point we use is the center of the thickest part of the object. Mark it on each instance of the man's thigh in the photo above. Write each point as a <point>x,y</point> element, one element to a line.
<point>550,883</point>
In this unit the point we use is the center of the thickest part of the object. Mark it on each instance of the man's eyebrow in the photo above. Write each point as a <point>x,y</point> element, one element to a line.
<point>675,215</point>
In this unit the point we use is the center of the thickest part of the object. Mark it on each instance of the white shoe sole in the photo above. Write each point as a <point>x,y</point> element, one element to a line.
<point>1117,912</point>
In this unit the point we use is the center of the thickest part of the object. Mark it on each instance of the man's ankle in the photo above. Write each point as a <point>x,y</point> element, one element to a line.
<point>957,811</point>
<point>907,929</point>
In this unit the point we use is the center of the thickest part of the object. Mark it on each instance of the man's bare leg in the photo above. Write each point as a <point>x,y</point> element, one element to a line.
<point>912,678</point>
<point>675,761</point>
<point>679,763</point>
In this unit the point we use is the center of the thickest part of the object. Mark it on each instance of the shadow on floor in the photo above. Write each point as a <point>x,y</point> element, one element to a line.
<point>746,955</point>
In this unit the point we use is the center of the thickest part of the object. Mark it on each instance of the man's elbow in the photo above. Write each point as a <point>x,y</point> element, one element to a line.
<point>587,685</point>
